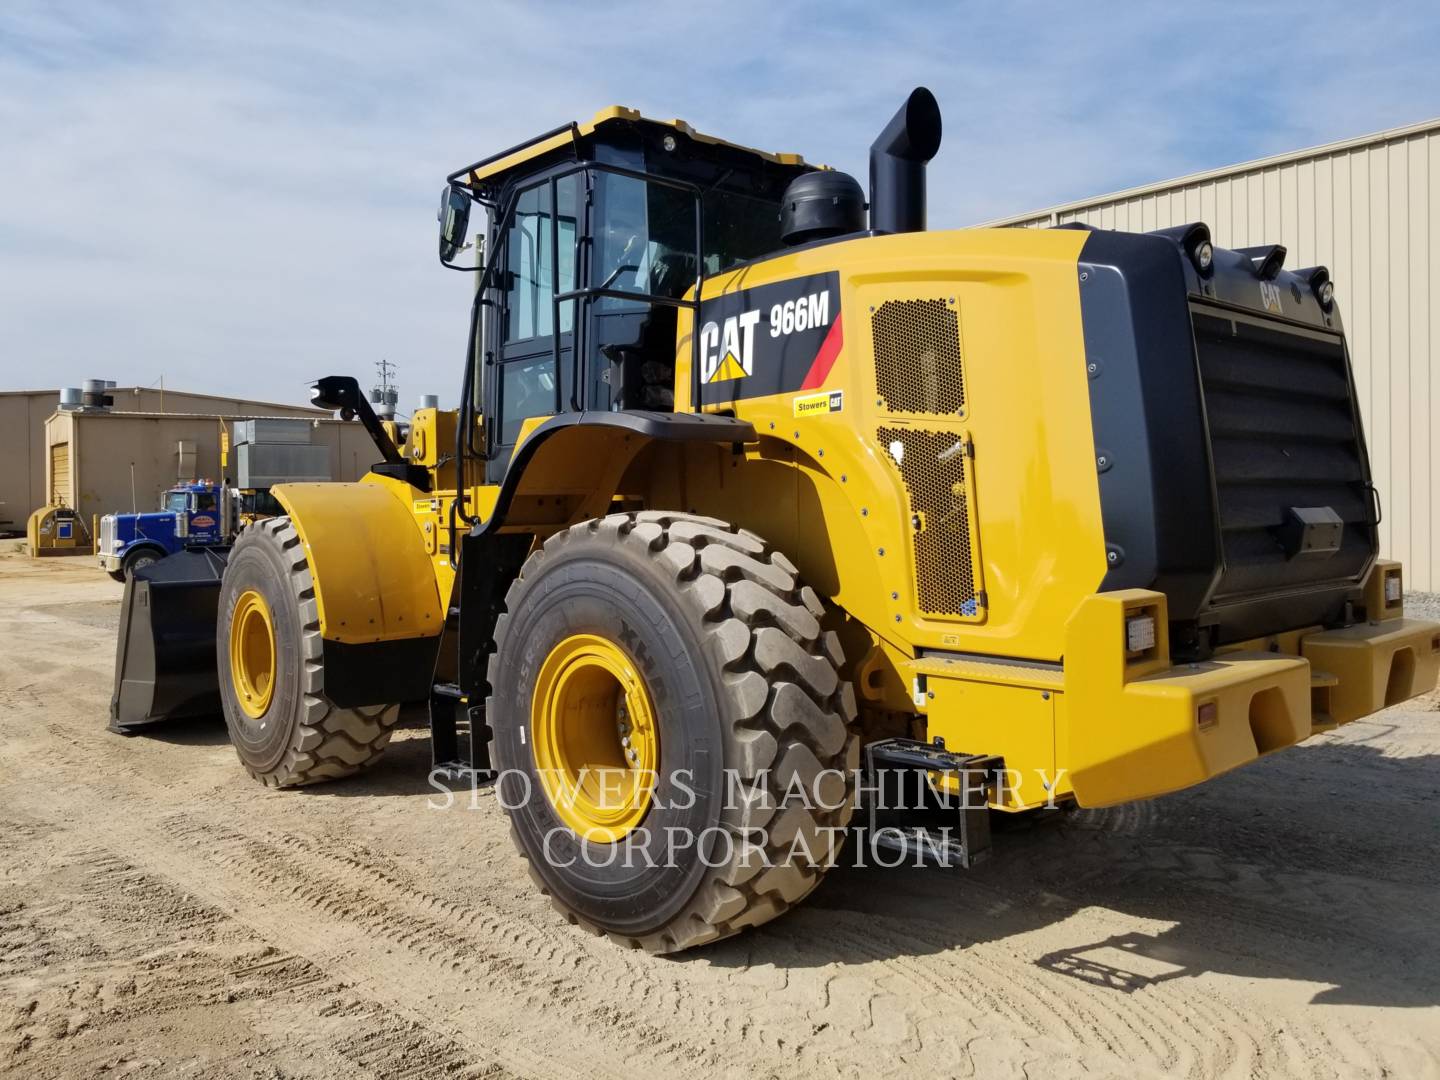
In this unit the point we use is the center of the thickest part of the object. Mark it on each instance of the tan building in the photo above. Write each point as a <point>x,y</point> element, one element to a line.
<point>102,462</point>
<point>1369,209</point>
<point>23,413</point>
<point>22,450</point>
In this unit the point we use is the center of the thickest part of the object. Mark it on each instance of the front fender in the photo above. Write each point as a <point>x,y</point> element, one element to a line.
<point>373,579</point>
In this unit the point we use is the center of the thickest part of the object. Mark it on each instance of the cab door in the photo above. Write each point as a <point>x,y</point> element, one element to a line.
<point>204,524</point>
<point>533,374</point>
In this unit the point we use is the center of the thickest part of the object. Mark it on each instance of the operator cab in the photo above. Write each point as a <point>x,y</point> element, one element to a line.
<point>598,234</point>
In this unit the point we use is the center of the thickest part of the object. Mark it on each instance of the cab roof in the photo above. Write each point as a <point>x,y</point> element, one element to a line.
<point>489,169</point>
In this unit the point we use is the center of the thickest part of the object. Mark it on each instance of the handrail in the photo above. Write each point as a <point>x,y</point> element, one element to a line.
<point>572,127</point>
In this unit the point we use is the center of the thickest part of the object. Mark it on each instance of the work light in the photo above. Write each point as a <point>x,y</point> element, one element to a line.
<point>1139,633</point>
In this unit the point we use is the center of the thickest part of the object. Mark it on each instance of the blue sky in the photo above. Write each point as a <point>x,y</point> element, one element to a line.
<point>241,196</point>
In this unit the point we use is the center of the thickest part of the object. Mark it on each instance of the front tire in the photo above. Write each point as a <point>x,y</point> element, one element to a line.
<point>284,728</point>
<point>753,724</point>
<point>138,560</point>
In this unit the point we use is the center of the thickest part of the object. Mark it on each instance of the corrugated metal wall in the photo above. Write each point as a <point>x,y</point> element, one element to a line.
<point>1369,209</point>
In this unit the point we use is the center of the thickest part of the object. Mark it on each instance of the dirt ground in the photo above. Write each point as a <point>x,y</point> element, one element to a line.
<point>163,915</point>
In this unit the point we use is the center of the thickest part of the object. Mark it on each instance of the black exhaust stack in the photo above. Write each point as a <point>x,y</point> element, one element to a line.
<point>897,165</point>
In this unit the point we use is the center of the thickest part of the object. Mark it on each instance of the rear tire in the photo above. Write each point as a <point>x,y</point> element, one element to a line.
<point>299,736</point>
<point>746,688</point>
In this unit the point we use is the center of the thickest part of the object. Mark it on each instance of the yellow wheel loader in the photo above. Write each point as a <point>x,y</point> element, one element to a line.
<point>761,500</point>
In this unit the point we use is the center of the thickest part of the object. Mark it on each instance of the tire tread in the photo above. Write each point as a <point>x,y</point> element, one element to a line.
<point>787,709</point>
<point>329,742</point>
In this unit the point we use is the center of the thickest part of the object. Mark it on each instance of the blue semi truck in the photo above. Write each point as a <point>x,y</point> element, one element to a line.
<point>199,514</point>
<point>207,514</point>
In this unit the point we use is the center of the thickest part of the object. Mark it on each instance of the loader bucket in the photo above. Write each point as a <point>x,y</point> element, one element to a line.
<point>165,659</point>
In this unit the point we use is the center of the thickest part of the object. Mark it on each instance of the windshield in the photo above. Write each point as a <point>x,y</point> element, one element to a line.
<point>177,502</point>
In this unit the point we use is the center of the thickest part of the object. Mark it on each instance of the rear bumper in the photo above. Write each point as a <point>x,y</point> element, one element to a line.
<point>1146,733</point>
<point>1162,741</point>
<point>1361,669</point>
<point>1106,728</point>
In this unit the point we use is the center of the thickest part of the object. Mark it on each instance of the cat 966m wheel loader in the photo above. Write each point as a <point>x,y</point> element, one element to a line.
<point>752,496</point>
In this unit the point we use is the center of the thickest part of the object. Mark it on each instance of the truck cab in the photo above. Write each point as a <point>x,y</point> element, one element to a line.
<point>190,515</point>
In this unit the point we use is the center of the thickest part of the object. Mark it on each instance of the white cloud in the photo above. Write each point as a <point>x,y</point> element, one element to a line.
<point>241,196</point>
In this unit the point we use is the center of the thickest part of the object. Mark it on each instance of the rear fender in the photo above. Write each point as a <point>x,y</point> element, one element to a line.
<point>568,468</point>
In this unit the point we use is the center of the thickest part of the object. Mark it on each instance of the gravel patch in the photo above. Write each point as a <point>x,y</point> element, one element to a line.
<point>1421,605</point>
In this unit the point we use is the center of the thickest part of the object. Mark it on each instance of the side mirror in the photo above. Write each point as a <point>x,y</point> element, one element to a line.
<point>454,218</point>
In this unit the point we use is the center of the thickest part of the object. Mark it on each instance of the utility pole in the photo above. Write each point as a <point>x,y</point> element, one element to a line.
<point>385,393</point>
<point>386,370</point>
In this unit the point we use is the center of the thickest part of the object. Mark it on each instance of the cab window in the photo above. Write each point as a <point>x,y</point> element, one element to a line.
<point>205,500</point>
<point>646,239</point>
<point>527,380</point>
<point>529,307</point>
<point>738,228</point>
<point>527,388</point>
<point>644,247</point>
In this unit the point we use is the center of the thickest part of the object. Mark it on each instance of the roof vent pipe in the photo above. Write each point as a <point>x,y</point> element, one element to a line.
<point>897,165</point>
<point>93,396</point>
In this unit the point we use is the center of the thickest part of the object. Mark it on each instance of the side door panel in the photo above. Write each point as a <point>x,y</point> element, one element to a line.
<point>533,331</point>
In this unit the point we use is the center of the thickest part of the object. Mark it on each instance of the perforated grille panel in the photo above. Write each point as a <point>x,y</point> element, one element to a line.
<point>932,465</point>
<point>917,356</point>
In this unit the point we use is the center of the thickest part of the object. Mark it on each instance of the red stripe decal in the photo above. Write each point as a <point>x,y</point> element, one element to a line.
<point>825,358</point>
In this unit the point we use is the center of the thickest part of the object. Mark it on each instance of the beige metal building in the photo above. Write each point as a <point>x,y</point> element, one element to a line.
<point>101,462</point>
<point>1369,209</point>
<point>23,413</point>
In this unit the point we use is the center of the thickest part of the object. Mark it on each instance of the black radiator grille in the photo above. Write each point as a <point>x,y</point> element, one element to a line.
<point>1283,433</point>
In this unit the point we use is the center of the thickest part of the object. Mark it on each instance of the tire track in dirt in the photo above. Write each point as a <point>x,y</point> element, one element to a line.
<point>131,948</point>
<point>388,956</point>
<point>454,957</point>
<point>1139,1028</point>
<point>402,939</point>
<point>551,937</point>
<point>385,903</point>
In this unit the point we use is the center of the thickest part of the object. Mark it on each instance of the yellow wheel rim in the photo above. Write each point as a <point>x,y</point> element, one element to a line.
<point>595,743</point>
<point>252,654</point>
